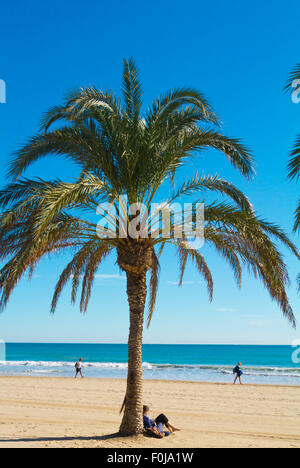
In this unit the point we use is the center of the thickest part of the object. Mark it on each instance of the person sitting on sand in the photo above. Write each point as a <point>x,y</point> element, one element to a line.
<point>237,370</point>
<point>156,426</point>
<point>78,367</point>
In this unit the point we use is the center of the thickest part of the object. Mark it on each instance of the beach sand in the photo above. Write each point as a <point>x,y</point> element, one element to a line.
<point>60,412</point>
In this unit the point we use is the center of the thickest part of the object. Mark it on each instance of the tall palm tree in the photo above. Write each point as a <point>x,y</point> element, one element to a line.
<point>122,153</point>
<point>292,85</point>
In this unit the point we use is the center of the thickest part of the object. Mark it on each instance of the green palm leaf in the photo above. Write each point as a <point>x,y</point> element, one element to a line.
<point>125,156</point>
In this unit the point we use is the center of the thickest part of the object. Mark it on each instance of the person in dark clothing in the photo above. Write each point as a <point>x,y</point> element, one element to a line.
<point>238,371</point>
<point>157,426</point>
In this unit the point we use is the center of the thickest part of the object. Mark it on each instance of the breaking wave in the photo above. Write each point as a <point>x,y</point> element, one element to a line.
<point>105,365</point>
<point>224,370</point>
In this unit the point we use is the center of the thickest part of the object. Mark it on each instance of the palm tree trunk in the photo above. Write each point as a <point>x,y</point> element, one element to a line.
<point>132,422</point>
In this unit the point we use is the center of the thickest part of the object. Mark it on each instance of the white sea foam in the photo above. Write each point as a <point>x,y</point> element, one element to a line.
<point>105,365</point>
<point>194,369</point>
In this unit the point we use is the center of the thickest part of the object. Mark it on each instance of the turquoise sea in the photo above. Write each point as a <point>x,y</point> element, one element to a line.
<point>261,364</point>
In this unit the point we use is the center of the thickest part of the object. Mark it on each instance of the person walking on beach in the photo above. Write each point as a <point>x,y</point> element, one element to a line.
<point>78,367</point>
<point>238,371</point>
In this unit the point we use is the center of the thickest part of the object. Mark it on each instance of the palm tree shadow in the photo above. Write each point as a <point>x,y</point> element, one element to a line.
<point>65,439</point>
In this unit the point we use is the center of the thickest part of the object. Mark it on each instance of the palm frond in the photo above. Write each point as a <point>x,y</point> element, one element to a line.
<point>294,163</point>
<point>215,184</point>
<point>236,152</point>
<point>82,266</point>
<point>153,286</point>
<point>294,75</point>
<point>172,101</point>
<point>81,105</point>
<point>297,217</point>
<point>132,90</point>
<point>186,253</point>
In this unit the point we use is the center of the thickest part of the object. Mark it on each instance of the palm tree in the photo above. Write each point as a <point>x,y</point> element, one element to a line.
<point>292,85</point>
<point>123,154</point>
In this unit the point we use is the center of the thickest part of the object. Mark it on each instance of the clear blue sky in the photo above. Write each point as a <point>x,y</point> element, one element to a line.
<point>238,54</point>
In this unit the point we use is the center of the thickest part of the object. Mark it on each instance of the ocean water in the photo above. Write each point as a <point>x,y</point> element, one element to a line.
<point>209,363</point>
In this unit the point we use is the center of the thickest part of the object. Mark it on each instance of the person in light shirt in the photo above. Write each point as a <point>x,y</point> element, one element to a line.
<point>78,368</point>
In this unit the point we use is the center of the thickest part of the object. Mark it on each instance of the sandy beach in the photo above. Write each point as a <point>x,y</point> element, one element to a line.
<point>61,412</point>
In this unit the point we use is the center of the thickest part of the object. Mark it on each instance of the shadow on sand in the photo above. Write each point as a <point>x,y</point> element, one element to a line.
<point>116,435</point>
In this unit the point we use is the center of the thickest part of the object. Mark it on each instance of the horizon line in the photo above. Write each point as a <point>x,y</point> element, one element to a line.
<point>152,344</point>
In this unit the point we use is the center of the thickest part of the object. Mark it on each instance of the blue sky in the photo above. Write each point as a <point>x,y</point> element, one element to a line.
<point>239,55</point>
